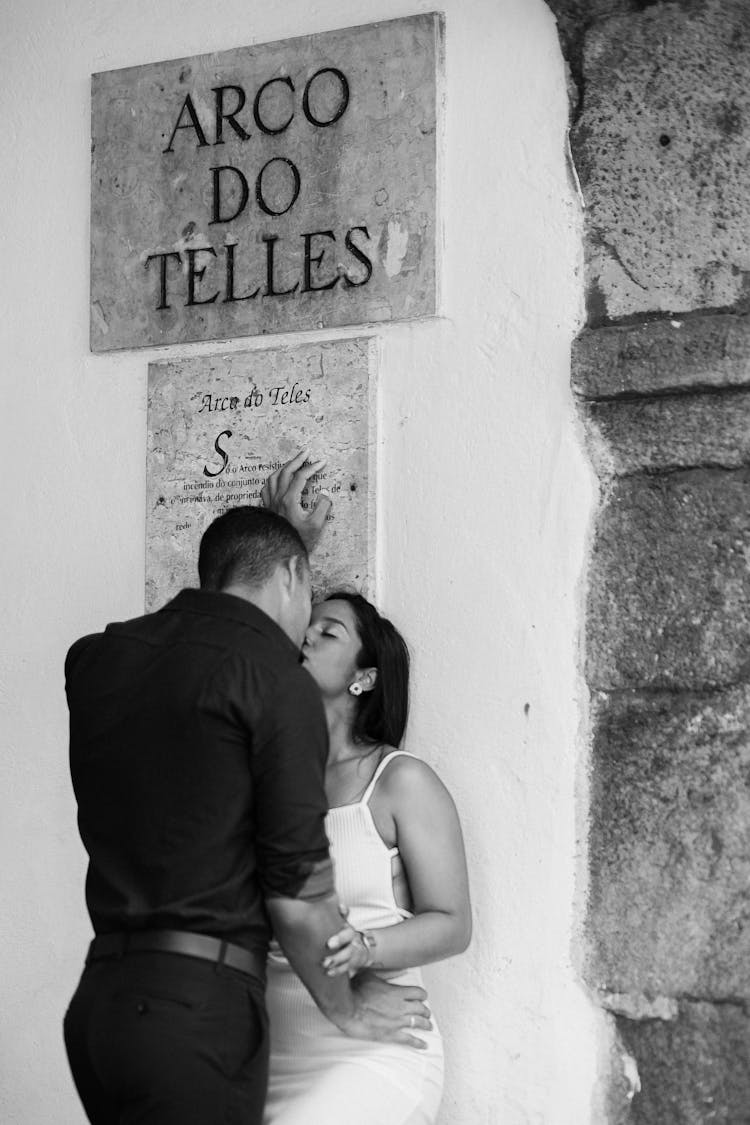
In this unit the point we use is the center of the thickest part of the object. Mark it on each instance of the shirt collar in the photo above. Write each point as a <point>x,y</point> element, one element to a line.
<point>214,603</point>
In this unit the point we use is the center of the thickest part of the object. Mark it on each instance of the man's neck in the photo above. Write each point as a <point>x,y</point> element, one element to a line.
<point>260,596</point>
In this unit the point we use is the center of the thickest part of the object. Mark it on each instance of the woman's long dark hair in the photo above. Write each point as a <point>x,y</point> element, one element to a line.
<point>381,714</point>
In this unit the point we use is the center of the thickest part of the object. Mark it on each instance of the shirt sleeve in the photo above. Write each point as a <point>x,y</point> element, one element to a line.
<point>290,748</point>
<point>75,652</point>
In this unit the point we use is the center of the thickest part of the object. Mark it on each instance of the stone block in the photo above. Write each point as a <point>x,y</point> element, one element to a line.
<point>661,148</point>
<point>659,356</point>
<point>618,1077</point>
<point>575,16</point>
<point>665,433</point>
<point>692,1071</point>
<point>669,849</point>
<point>668,590</point>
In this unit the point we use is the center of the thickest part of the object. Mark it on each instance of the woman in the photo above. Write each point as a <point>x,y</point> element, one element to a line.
<point>400,869</point>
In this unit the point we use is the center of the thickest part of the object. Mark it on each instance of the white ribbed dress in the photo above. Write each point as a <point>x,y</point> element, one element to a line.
<point>319,1076</point>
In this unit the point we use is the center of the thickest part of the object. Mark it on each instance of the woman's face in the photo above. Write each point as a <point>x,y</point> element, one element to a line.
<point>331,647</point>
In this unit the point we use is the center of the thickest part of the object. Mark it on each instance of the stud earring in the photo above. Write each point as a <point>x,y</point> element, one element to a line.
<point>355,688</point>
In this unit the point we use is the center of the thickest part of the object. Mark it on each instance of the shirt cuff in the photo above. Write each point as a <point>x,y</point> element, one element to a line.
<point>309,881</point>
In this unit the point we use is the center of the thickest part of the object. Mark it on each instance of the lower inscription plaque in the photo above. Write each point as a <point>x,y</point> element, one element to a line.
<point>218,425</point>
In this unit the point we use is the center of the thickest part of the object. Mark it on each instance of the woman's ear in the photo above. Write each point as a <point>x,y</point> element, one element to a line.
<point>367,677</point>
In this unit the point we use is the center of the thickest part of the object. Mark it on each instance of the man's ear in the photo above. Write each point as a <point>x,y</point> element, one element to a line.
<point>289,573</point>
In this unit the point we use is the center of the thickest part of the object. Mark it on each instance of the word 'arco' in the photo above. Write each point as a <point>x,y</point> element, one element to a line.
<point>227,113</point>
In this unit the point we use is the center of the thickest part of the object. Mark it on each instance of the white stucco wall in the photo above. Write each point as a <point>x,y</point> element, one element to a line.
<point>484,501</point>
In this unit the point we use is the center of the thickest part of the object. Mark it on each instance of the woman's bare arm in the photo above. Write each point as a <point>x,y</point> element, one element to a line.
<point>432,851</point>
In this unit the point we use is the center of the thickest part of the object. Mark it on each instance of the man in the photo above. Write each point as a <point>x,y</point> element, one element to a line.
<point>197,748</point>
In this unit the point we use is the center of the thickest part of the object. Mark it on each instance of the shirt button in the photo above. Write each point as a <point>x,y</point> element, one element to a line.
<point>141,1009</point>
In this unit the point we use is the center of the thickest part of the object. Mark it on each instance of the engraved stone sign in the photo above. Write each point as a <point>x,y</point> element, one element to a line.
<point>283,186</point>
<point>219,424</point>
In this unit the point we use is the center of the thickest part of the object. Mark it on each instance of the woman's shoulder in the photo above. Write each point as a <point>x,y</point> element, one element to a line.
<point>405,776</point>
<point>410,792</point>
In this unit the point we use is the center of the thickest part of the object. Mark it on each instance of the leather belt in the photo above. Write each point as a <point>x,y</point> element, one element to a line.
<point>181,942</point>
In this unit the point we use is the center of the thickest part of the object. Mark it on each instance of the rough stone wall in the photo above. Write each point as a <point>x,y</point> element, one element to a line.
<point>661,145</point>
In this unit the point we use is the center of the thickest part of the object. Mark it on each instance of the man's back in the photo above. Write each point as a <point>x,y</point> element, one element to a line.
<point>193,731</point>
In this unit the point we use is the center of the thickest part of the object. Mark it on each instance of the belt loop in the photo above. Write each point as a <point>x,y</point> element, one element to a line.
<point>221,958</point>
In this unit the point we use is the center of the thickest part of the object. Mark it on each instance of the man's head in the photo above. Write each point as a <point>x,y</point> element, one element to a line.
<point>258,555</point>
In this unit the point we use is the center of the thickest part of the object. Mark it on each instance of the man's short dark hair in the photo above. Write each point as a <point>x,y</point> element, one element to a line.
<point>246,545</point>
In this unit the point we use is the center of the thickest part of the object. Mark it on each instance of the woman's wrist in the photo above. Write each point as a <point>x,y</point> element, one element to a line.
<point>366,947</point>
<point>370,943</point>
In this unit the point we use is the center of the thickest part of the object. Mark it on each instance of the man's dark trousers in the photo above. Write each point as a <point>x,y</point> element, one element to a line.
<point>163,1039</point>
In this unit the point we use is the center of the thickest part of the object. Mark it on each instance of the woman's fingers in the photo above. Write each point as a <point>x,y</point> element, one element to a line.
<point>342,937</point>
<point>335,966</point>
<point>340,970</point>
<point>343,957</point>
<point>341,945</point>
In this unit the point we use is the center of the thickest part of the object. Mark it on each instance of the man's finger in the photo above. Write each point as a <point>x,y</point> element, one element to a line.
<point>298,481</point>
<point>421,1011</point>
<point>320,510</point>
<point>284,475</point>
<point>412,992</point>
<point>408,1040</point>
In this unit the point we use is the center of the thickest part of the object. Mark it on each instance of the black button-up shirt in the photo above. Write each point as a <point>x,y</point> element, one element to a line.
<point>197,751</point>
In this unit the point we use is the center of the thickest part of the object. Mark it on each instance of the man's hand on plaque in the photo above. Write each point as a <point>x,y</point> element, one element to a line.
<point>282,493</point>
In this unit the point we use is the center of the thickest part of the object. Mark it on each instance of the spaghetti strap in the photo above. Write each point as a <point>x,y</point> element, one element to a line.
<point>381,766</point>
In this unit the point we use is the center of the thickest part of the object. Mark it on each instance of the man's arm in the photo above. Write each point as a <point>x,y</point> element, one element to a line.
<point>372,1009</point>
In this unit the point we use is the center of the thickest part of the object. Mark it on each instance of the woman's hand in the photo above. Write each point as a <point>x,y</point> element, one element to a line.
<point>348,953</point>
